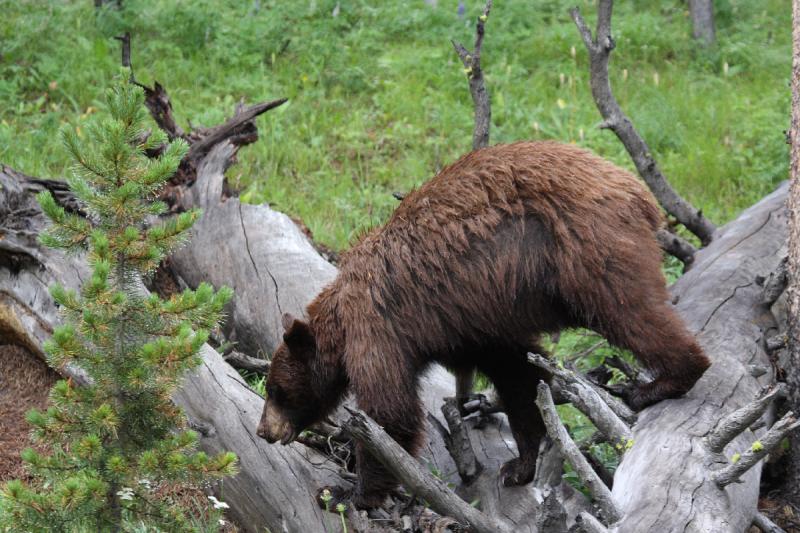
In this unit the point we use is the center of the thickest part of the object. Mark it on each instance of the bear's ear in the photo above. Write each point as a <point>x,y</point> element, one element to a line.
<point>286,321</point>
<point>296,334</point>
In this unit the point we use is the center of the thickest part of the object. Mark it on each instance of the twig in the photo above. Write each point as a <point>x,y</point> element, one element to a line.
<point>676,246</point>
<point>614,118</point>
<point>738,421</point>
<point>765,524</point>
<point>458,443</point>
<point>586,399</point>
<point>477,87</point>
<point>757,451</point>
<point>415,477</point>
<point>589,478</point>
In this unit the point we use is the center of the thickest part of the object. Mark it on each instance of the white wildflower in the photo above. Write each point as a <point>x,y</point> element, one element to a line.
<point>218,504</point>
<point>125,494</point>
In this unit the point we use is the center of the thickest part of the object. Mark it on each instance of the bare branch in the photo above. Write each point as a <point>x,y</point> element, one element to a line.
<point>676,246</point>
<point>599,50</point>
<point>458,443</point>
<point>559,434</point>
<point>415,477</point>
<point>586,399</point>
<point>757,451</point>
<point>477,87</point>
<point>738,421</point>
<point>765,524</point>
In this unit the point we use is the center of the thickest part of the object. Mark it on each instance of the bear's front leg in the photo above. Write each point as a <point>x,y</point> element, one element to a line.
<point>403,422</point>
<point>515,380</point>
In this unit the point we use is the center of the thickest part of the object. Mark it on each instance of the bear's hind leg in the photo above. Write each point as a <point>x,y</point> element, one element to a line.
<point>660,341</point>
<point>515,380</point>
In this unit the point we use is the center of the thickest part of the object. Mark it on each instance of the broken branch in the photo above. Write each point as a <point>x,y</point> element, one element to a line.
<point>765,524</point>
<point>556,430</point>
<point>738,421</point>
<point>458,443</point>
<point>245,362</point>
<point>586,399</point>
<point>676,246</point>
<point>757,451</point>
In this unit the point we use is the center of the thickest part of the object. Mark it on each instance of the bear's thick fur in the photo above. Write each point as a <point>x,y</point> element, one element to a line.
<point>505,244</point>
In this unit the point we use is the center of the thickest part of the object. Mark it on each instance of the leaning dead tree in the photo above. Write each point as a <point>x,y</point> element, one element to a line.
<point>691,464</point>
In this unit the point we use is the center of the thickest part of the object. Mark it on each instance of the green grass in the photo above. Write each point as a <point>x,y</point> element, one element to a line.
<point>379,101</point>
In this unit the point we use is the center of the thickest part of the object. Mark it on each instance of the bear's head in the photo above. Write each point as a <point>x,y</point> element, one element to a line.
<point>301,389</point>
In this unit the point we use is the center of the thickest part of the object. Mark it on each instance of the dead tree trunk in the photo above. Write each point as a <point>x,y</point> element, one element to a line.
<point>792,375</point>
<point>702,14</point>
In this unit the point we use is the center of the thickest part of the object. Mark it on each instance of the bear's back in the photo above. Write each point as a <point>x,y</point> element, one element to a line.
<point>492,236</point>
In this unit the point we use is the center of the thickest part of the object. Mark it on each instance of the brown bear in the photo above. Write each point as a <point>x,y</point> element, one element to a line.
<point>505,244</point>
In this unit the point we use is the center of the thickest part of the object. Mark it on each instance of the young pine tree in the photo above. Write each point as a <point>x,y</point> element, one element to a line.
<point>113,447</point>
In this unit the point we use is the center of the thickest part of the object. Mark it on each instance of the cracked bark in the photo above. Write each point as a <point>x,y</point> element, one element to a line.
<point>793,292</point>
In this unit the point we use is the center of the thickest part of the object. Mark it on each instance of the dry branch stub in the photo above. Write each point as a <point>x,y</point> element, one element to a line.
<point>477,86</point>
<point>738,421</point>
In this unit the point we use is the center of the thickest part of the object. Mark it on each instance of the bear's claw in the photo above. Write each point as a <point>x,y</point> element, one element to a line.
<point>517,472</point>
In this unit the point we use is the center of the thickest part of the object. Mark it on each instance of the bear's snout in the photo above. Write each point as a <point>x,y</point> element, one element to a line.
<point>273,427</point>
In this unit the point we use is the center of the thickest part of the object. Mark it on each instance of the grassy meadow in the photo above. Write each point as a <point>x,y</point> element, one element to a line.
<point>379,101</point>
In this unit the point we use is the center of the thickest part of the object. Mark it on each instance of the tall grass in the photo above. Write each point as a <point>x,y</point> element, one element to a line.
<point>379,103</point>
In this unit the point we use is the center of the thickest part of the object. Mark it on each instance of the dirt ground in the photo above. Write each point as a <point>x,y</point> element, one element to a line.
<point>25,382</point>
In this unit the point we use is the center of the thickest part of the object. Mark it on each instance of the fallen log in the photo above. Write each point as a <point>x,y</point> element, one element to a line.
<point>721,303</point>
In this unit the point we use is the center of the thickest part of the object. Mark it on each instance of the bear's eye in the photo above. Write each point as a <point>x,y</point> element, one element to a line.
<point>275,392</point>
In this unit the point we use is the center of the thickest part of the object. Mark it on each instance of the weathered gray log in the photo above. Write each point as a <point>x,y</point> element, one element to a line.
<point>720,302</point>
<point>260,253</point>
